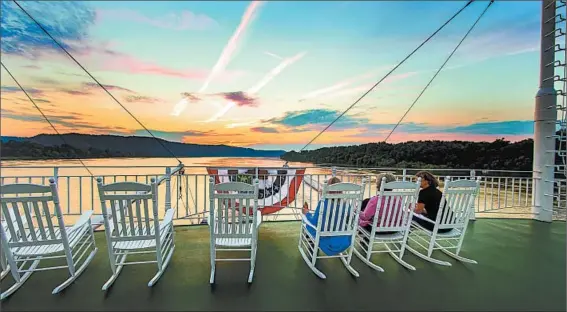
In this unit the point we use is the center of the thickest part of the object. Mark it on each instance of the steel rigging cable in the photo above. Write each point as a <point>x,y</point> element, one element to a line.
<point>102,86</point>
<point>42,114</point>
<point>388,74</point>
<point>439,70</point>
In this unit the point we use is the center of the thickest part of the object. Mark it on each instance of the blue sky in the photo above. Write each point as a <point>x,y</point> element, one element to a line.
<point>272,74</point>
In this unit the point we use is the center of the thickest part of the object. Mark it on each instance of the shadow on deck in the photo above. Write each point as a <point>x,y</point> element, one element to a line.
<point>521,267</point>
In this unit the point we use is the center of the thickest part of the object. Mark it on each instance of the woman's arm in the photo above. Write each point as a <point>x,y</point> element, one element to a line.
<point>421,199</point>
<point>370,209</point>
<point>420,208</point>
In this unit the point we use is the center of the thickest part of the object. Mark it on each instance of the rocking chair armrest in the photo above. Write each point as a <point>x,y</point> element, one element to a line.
<point>167,219</point>
<point>85,217</point>
<point>258,218</point>
<point>422,217</point>
<point>306,222</point>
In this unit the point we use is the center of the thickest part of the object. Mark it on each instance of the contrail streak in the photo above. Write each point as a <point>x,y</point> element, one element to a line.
<point>342,84</point>
<point>275,71</point>
<point>360,88</point>
<point>232,44</point>
<point>273,55</point>
<point>226,54</point>
<point>262,83</point>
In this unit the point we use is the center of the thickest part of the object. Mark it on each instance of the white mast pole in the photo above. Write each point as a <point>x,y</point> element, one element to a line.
<point>545,118</point>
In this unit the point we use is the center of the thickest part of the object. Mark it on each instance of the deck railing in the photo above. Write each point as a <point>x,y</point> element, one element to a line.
<point>502,193</point>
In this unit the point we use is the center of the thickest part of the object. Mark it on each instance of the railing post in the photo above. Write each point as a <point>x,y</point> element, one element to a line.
<point>177,193</point>
<point>167,188</point>
<point>473,216</point>
<point>404,175</point>
<point>545,118</point>
<point>56,175</point>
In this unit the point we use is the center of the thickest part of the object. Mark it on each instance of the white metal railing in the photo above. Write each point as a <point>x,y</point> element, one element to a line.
<point>502,193</point>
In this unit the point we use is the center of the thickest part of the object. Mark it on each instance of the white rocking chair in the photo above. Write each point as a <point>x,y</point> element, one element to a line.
<point>343,199</point>
<point>3,263</point>
<point>135,230</point>
<point>31,235</point>
<point>233,221</point>
<point>395,221</point>
<point>459,196</point>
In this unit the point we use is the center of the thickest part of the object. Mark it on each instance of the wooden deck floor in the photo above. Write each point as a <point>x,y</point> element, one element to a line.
<point>521,268</point>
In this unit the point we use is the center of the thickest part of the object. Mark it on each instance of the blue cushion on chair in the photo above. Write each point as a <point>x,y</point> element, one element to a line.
<point>330,245</point>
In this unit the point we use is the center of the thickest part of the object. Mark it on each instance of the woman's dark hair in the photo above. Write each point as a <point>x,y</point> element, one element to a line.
<point>427,176</point>
<point>333,180</point>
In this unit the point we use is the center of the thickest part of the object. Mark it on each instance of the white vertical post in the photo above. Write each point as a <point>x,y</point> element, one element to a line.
<point>178,193</point>
<point>473,215</point>
<point>56,174</point>
<point>404,175</point>
<point>167,188</point>
<point>545,117</point>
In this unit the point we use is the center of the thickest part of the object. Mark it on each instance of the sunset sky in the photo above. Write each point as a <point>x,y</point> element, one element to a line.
<point>271,74</point>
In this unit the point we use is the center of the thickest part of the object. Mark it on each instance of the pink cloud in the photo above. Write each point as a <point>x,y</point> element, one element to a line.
<point>104,56</point>
<point>76,92</point>
<point>31,66</point>
<point>184,20</point>
<point>261,84</point>
<point>240,98</point>
<point>142,99</point>
<point>134,65</point>
<point>92,85</point>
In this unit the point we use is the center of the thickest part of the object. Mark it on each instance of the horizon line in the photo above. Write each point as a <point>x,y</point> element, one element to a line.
<point>259,148</point>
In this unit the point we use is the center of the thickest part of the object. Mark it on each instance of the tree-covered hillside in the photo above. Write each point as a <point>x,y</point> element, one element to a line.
<point>30,150</point>
<point>499,154</point>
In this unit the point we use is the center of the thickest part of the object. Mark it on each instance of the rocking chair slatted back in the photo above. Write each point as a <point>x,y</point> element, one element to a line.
<point>28,216</point>
<point>233,211</point>
<point>134,210</point>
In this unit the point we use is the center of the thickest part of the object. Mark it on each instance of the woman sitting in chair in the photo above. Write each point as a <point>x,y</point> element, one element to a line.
<point>330,245</point>
<point>370,205</point>
<point>429,201</point>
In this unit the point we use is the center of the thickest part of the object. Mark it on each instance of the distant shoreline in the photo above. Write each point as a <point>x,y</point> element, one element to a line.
<point>84,146</point>
<point>497,155</point>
